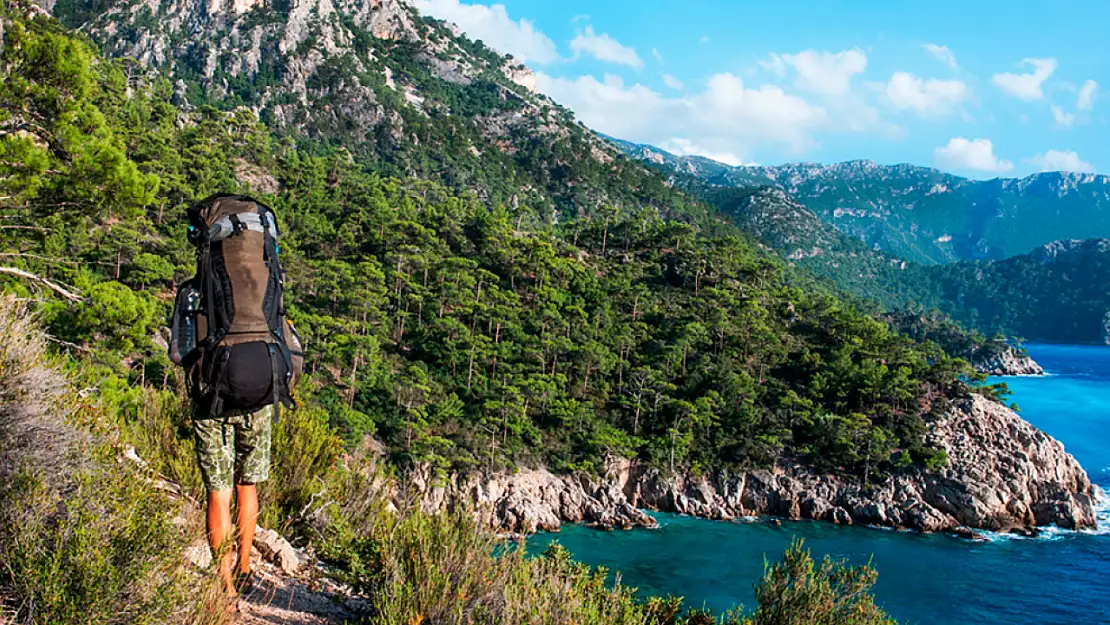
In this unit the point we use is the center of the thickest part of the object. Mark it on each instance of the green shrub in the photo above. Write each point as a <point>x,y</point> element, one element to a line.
<point>796,592</point>
<point>305,450</point>
<point>105,553</point>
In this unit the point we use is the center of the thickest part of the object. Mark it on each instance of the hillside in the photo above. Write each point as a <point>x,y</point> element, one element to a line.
<point>405,94</point>
<point>920,214</point>
<point>783,224</point>
<point>467,333</point>
<point>1054,293</point>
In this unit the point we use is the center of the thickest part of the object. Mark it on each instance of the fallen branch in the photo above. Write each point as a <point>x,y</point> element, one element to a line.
<point>69,345</point>
<point>71,296</point>
<point>35,228</point>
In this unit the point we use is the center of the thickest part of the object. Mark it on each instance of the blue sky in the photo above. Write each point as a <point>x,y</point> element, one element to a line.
<point>981,88</point>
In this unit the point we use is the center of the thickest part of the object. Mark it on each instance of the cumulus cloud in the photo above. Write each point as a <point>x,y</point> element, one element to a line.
<point>827,73</point>
<point>493,26</point>
<point>1059,160</point>
<point>1062,117</point>
<point>672,82</point>
<point>604,48</point>
<point>1026,86</point>
<point>927,98</point>
<point>724,117</point>
<point>974,154</point>
<point>942,54</point>
<point>657,54</point>
<point>1087,94</point>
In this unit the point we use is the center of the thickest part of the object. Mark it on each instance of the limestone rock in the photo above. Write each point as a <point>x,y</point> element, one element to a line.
<point>533,500</point>
<point>277,550</point>
<point>1008,362</point>
<point>199,554</point>
<point>521,75</point>
<point>1002,474</point>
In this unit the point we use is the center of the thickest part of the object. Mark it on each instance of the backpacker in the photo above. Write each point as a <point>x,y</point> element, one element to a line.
<point>229,329</point>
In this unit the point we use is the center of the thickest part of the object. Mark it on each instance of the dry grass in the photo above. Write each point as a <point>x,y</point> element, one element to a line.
<point>84,537</point>
<point>33,431</point>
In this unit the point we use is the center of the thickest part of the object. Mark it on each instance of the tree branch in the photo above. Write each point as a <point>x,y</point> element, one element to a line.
<point>12,271</point>
<point>35,228</point>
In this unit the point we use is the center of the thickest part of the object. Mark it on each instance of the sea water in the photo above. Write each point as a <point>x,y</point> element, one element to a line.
<point>1061,577</point>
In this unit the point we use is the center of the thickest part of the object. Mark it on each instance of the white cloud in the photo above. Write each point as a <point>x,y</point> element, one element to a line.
<point>774,64</point>
<point>704,39</point>
<point>657,54</point>
<point>1062,117</point>
<point>604,48</point>
<point>493,26</point>
<point>976,154</point>
<point>1087,94</point>
<point>685,147</point>
<point>942,54</point>
<point>672,82</point>
<point>725,118</point>
<point>826,73</point>
<point>1026,86</point>
<point>927,98</point>
<point>1058,160</point>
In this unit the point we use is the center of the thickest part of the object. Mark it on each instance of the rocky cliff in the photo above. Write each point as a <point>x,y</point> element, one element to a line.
<point>1002,474</point>
<point>1008,362</point>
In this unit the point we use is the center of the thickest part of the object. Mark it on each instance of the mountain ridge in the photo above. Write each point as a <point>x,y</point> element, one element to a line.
<point>922,214</point>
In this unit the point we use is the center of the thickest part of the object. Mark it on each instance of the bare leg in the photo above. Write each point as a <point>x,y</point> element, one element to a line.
<point>219,530</point>
<point>246,496</point>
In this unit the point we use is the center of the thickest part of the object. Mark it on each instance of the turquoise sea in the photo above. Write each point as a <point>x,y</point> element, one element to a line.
<point>1062,577</point>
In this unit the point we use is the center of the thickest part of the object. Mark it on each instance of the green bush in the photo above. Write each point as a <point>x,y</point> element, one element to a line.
<point>796,592</point>
<point>106,552</point>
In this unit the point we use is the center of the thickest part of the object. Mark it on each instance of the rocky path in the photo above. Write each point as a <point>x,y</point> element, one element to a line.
<point>278,599</point>
<point>290,587</point>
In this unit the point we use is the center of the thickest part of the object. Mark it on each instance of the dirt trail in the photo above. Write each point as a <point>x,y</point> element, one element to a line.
<point>278,599</point>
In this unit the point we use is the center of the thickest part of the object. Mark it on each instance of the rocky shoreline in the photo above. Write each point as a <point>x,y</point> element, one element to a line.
<point>1003,474</point>
<point>1008,362</point>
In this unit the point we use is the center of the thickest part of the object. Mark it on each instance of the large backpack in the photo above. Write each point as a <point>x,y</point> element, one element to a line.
<point>229,329</point>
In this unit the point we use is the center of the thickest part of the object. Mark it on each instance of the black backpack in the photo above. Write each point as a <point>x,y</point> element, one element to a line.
<point>229,329</point>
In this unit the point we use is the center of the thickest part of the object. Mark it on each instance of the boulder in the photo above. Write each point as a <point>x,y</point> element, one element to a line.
<point>278,551</point>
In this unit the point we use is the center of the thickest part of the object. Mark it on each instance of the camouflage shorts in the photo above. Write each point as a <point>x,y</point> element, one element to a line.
<point>234,449</point>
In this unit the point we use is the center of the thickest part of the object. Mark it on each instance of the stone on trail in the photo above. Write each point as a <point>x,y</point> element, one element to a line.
<point>277,550</point>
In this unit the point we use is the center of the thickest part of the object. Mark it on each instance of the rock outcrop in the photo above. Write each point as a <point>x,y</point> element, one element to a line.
<point>1002,474</point>
<point>1008,362</point>
<point>536,500</point>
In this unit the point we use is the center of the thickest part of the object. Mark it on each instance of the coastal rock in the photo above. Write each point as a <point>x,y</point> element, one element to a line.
<point>534,500</point>
<point>1002,474</point>
<point>1008,362</point>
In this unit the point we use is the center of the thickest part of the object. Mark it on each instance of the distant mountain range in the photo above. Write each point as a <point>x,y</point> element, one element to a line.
<point>1056,292</point>
<point>921,214</point>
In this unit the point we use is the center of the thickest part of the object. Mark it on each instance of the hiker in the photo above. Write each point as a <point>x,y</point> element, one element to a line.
<point>241,359</point>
